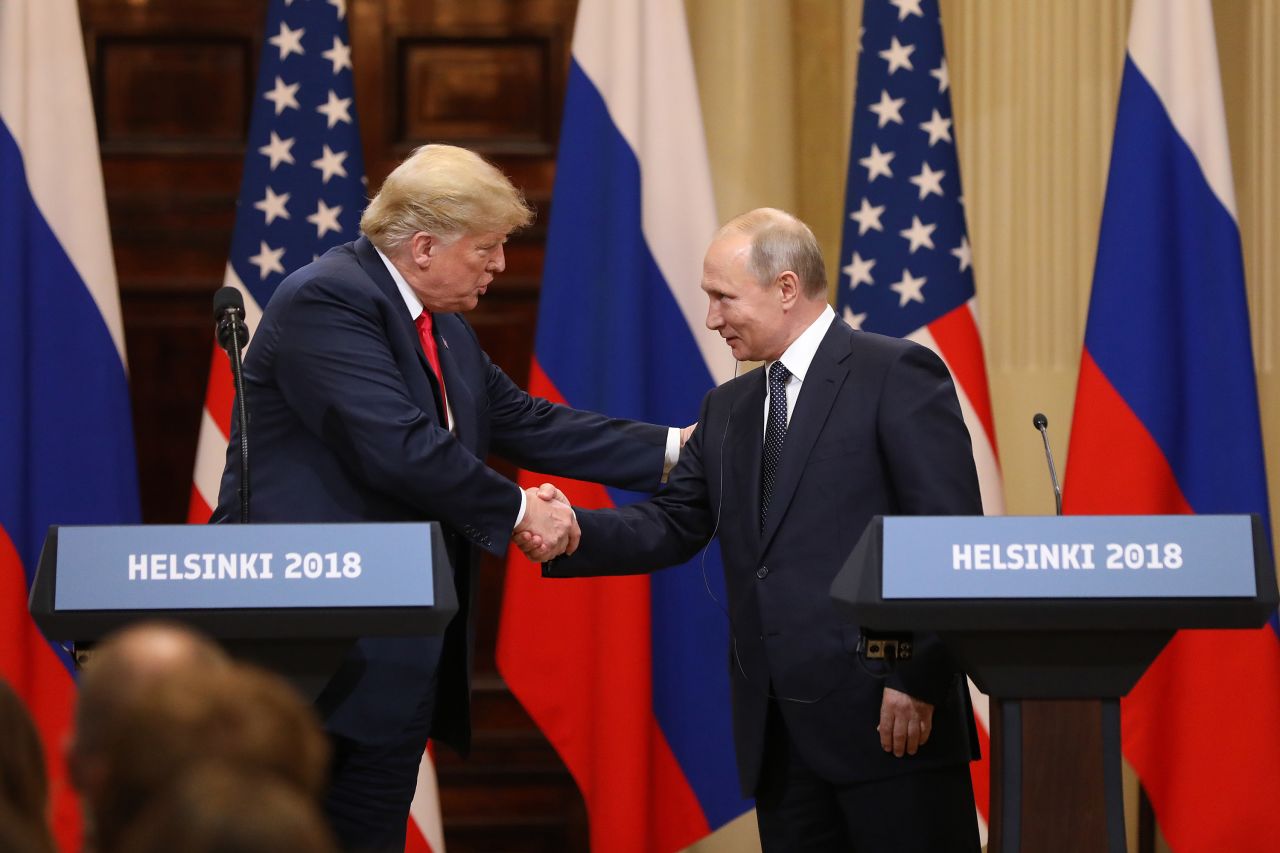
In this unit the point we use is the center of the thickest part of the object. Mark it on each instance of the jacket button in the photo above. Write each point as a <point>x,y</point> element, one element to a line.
<point>762,572</point>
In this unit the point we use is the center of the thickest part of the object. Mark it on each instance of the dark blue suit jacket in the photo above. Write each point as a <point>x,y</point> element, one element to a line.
<point>876,430</point>
<point>346,425</point>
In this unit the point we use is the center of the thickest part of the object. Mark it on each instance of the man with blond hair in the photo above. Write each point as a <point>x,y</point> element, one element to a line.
<point>371,400</point>
<point>786,467</point>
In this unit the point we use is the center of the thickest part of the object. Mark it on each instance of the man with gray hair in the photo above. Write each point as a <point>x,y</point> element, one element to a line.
<point>371,400</point>
<point>787,466</point>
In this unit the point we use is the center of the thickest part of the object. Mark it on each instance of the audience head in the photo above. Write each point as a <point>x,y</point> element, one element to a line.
<point>24,785</point>
<point>217,808</point>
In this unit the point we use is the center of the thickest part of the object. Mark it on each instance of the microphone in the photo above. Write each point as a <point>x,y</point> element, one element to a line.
<point>228,314</point>
<point>233,334</point>
<point>1041,423</point>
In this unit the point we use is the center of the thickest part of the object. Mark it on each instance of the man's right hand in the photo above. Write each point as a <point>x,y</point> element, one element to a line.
<point>549,527</point>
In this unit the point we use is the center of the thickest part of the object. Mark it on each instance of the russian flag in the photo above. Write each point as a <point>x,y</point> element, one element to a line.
<point>627,676</point>
<point>66,435</point>
<point>1166,421</point>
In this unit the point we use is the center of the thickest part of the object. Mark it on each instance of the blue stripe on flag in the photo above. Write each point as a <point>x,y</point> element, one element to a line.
<point>1183,298</point>
<point>66,438</point>
<point>637,358</point>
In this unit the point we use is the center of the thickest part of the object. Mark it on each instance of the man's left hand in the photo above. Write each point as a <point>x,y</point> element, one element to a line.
<point>905,722</point>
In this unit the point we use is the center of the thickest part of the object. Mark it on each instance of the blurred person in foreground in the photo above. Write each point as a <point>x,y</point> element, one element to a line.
<point>217,808</point>
<point>24,782</point>
<point>372,400</point>
<point>787,466</point>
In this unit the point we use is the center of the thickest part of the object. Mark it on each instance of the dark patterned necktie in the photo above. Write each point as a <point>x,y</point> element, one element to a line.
<point>774,434</point>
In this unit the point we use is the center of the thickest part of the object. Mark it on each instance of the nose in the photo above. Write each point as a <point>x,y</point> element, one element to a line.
<point>714,320</point>
<point>498,261</point>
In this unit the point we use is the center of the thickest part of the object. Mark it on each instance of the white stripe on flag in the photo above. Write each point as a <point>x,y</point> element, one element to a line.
<point>211,456</point>
<point>425,808</point>
<point>658,115</point>
<point>1181,64</point>
<point>51,103</point>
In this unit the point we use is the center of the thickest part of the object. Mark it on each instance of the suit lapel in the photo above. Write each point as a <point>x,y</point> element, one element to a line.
<point>746,443</point>
<point>460,399</point>
<point>817,394</point>
<point>373,267</point>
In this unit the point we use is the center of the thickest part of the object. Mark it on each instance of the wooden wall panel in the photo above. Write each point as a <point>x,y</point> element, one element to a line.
<point>173,85</point>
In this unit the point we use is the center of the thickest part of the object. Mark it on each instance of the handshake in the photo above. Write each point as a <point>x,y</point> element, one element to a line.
<point>549,527</point>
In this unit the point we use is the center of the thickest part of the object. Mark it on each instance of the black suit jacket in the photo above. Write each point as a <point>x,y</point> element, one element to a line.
<point>346,424</point>
<point>876,430</point>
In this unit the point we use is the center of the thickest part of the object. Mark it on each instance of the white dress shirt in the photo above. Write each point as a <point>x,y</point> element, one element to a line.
<point>797,359</point>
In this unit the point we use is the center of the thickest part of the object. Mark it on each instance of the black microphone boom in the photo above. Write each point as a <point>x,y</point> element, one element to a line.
<point>1041,423</point>
<point>233,334</point>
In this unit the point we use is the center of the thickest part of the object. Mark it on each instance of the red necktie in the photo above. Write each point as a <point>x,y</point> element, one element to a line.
<point>424,324</point>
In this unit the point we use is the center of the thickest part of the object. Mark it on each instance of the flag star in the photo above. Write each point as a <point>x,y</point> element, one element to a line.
<point>330,164</point>
<point>907,7</point>
<point>325,219</point>
<point>267,260</point>
<point>279,150</point>
<point>283,96</point>
<point>928,180</point>
<point>908,289</point>
<point>854,320</point>
<point>339,55</point>
<point>273,205</point>
<point>859,271</point>
<point>964,252</point>
<point>341,6</point>
<point>944,78</point>
<point>889,109</point>
<point>937,127</point>
<point>919,234</point>
<point>867,217</point>
<point>898,55</point>
<point>289,41</point>
<point>336,110</point>
<point>877,163</point>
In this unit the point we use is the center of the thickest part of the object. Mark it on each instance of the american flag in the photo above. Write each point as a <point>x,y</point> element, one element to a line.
<point>302,192</point>
<point>906,267</point>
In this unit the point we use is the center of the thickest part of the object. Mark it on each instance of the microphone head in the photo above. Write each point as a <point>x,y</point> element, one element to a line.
<point>1040,421</point>
<point>227,298</point>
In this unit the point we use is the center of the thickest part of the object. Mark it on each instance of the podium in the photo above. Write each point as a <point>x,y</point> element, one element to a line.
<point>1057,608</point>
<point>289,597</point>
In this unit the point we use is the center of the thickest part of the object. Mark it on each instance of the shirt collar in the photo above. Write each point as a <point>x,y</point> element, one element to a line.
<point>797,357</point>
<point>411,300</point>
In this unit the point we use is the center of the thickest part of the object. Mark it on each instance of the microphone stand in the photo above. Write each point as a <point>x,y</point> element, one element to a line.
<point>231,327</point>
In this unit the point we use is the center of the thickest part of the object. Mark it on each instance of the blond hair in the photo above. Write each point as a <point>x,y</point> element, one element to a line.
<point>445,191</point>
<point>781,242</point>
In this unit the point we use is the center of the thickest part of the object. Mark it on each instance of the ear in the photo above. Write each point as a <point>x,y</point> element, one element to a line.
<point>422,247</point>
<point>788,285</point>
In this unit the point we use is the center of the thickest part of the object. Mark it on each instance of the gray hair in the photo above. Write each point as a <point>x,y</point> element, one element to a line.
<point>779,243</point>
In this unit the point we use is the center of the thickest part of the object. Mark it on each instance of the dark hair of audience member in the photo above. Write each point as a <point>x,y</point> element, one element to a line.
<point>24,784</point>
<point>245,718</point>
<point>218,808</point>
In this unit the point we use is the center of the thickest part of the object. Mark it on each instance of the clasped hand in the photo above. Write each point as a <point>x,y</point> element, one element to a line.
<point>549,527</point>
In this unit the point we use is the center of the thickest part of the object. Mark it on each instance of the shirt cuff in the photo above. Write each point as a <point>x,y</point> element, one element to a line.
<point>520,514</point>
<point>673,452</point>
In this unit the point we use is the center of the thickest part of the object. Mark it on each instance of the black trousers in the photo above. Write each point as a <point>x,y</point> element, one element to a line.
<point>929,810</point>
<point>372,785</point>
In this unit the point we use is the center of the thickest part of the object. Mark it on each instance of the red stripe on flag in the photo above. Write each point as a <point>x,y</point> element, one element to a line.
<point>39,677</point>
<point>221,393</point>
<point>577,654</point>
<point>414,842</point>
<point>198,511</point>
<point>980,772</point>
<point>961,344</point>
<point>1114,466</point>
